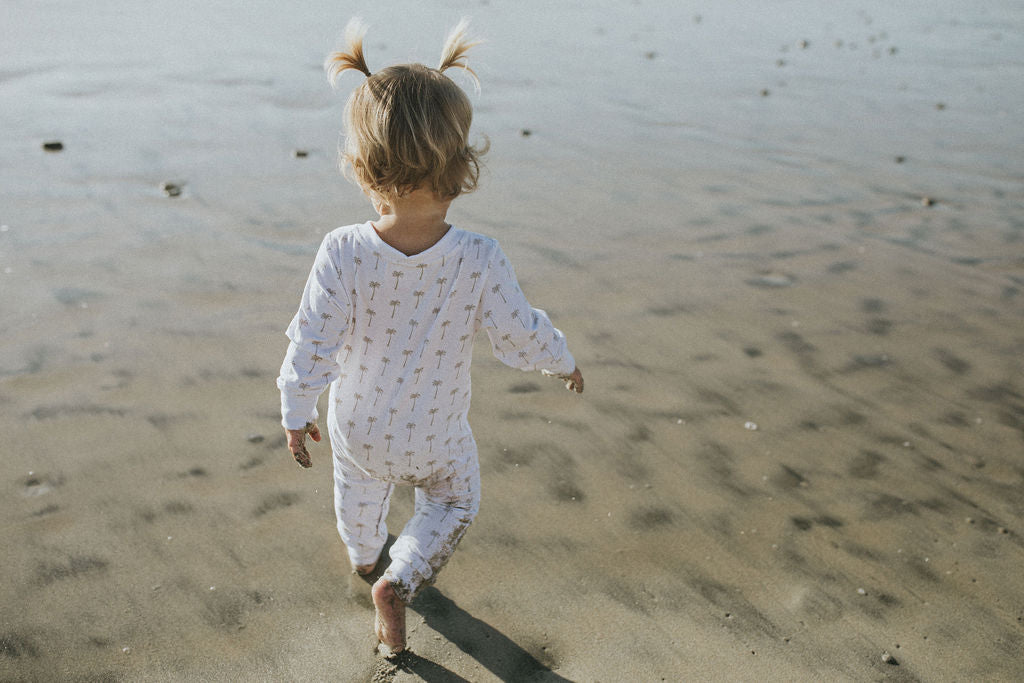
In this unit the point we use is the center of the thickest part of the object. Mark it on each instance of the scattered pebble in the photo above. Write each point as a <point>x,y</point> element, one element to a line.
<point>126,650</point>
<point>651,55</point>
<point>254,438</point>
<point>752,426</point>
<point>861,591</point>
<point>53,146</point>
<point>803,44</point>
<point>940,106</point>
<point>697,18</point>
<point>780,62</point>
<point>1003,530</point>
<point>927,201</point>
<point>525,132</point>
<point>889,659</point>
<point>170,189</point>
<point>765,92</point>
<point>300,154</point>
<point>893,50</point>
<point>900,159</point>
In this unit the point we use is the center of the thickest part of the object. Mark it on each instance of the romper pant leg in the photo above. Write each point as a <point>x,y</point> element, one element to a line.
<point>361,505</point>
<point>444,510</point>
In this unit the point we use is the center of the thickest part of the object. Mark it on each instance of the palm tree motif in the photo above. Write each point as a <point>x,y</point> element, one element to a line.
<point>433,412</point>
<point>437,309</point>
<point>508,338</point>
<point>362,372</point>
<point>357,261</point>
<point>362,506</point>
<point>302,322</point>
<point>351,425</point>
<point>377,262</point>
<point>533,337</point>
<point>358,398</point>
<point>407,353</point>
<point>325,316</point>
<point>398,275</point>
<point>489,316</point>
<point>440,353</point>
<point>414,397</point>
<point>370,420</point>
<point>330,291</point>
<point>476,243</point>
<point>303,386</point>
<point>544,347</point>
<point>448,445</point>
<point>464,338</point>
<point>389,465</point>
<point>469,308</point>
<point>419,295</point>
<point>497,290</point>
<point>410,454</point>
<point>523,355</point>
<point>458,368</point>
<point>384,363</point>
<point>316,359</point>
<point>411,426</point>
<point>430,442</point>
<point>367,341</point>
<point>412,327</point>
<point>348,351</point>
<point>373,289</point>
<point>444,328</point>
<point>394,304</point>
<point>390,332</point>
<point>421,267</point>
<point>437,386</point>
<point>440,285</point>
<point>417,372</point>
<point>379,392</point>
<point>400,381</point>
<point>453,392</point>
<point>389,438</point>
<point>516,315</point>
<point>367,447</point>
<point>474,276</point>
<point>326,377</point>
<point>392,412</point>
<point>370,312</point>
<point>430,464</point>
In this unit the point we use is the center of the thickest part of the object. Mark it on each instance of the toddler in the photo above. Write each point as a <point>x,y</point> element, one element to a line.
<point>387,320</point>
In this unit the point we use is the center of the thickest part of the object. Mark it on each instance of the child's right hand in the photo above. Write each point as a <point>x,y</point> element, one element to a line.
<point>297,443</point>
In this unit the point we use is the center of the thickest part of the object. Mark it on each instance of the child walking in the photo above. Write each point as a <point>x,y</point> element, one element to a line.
<point>387,320</point>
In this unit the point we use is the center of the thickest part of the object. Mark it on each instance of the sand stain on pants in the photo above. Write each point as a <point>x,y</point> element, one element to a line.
<point>445,505</point>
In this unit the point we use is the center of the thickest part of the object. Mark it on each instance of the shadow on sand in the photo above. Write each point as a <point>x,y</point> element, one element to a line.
<point>494,651</point>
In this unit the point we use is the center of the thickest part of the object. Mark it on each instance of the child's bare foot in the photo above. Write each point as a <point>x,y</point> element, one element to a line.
<point>390,618</point>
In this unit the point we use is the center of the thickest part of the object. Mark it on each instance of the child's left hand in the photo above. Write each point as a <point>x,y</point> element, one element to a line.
<point>297,443</point>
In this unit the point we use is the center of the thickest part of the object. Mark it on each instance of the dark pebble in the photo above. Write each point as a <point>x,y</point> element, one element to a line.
<point>525,132</point>
<point>940,106</point>
<point>765,92</point>
<point>254,438</point>
<point>650,55</point>
<point>300,154</point>
<point>927,201</point>
<point>171,189</point>
<point>53,146</point>
<point>900,159</point>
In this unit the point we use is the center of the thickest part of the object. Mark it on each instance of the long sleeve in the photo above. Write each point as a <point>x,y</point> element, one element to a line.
<point>316,333</point>
<point>521,336</point>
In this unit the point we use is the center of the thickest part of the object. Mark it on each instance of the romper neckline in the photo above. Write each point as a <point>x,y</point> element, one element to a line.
<point>432,253</point>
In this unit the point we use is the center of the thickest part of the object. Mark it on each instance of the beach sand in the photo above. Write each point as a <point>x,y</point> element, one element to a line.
<point>787,248</point>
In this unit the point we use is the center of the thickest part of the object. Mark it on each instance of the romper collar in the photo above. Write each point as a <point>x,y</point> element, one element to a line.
<point>438,250</point>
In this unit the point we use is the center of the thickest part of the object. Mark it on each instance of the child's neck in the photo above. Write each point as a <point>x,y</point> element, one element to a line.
<point>413,223</point>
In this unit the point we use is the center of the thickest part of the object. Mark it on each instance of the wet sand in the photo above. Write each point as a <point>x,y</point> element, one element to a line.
<point>787,249</point>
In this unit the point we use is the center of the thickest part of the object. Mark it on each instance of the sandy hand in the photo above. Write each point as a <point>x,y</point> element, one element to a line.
<point>297,443</point>
<point>573,381</point>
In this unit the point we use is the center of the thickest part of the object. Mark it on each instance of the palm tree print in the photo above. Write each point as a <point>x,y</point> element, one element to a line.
<point>430,442</point>
<point>411,426</point>
<point>302,322</point>
<point>367,447</point>
<point>410,455</point>
<point>421,267</point>
<point>419,293</point>
<point>316,359</point>
<point>508,338</point>
<point>392,412</point>
<point>516,315</point>
<point>389,438</point>
<point>437,386</point>
<point>458,368</point>
<point>358,398</point>
<point>379,392</point>
<point>414,397</point>
<point>417,372</point>
<point>370,420</point>
<point>367,341</point>
<point>464,338</point>
<point>325,317</point>
<point>444,328</point>
<point>433,412</point>
<point>412,327</point>
<point>394,304</point>
<point>407,353</point>
<point>496,289</point>
<point>453,393</point>
<point>390,332</point>
<point>476,243</point>
<point>384,365</point>
<point>469,308</point>
<point>370,313</point>
<point>440,285</point>
<point>474,277</point>
<point>377,262</point>
<point>362,372</point>
<point>351,425</point>
<point>373,289</point>
<point>440,353</point>
<point>398,275</point>
<point>348,351</point>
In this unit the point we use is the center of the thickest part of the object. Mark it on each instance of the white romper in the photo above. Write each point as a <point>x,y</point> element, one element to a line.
<point>393,336</point>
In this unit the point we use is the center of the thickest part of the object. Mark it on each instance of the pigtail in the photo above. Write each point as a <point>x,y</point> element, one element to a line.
<point>456,45</point>
<point>352,56</point>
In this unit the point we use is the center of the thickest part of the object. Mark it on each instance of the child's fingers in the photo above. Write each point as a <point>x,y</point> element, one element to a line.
<point>313,430</point>
<point>301,456</point>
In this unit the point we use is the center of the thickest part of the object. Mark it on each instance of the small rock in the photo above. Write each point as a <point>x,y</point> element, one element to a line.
<point>300,154</point>
<point>893,50</point>
<point>900,159</point>
<point>53,146</point>
<point>126,650</point>
<point>170,189</point>
<point>765,92</point>
<point>803,44</point>
<point>889,659</point>
<point>780,62</point>
<point>861,591</point>
<point>751,426</point>
<point>254,438</point>
<point>651,55</point>
<point>940,106</point>
<point>927,201</point>
<point>525,132</point>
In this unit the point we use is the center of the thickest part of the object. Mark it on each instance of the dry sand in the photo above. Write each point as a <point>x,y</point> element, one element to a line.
<point>720,258</point>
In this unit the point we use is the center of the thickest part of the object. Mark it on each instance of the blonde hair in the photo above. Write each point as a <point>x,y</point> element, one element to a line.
<point>407,126</point>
